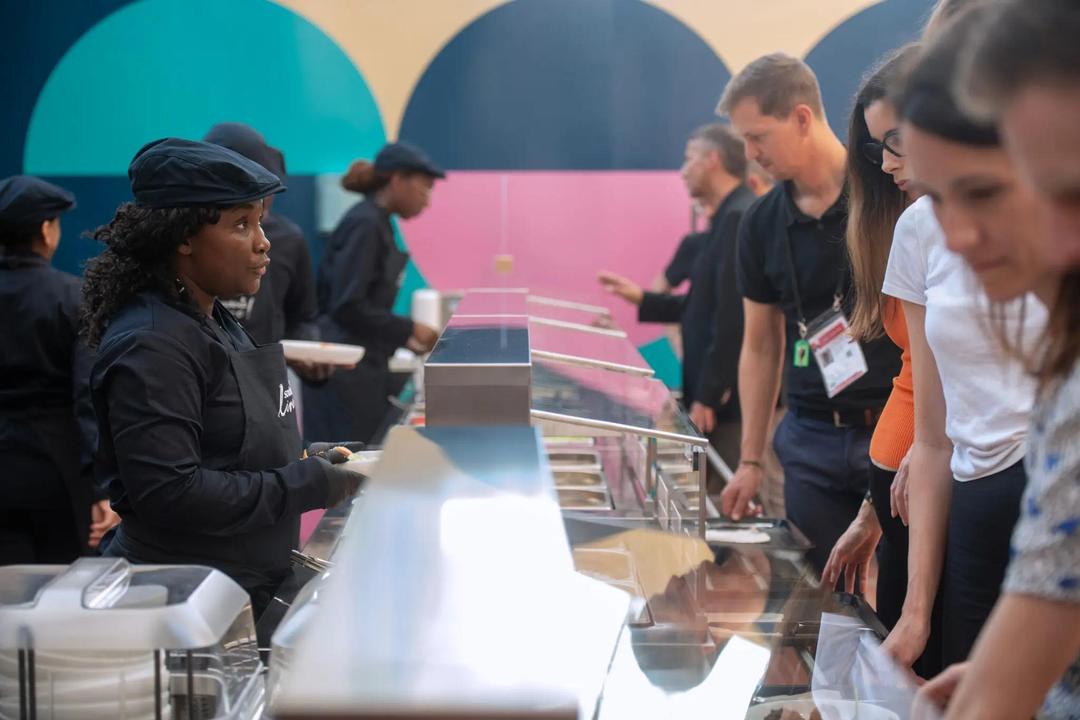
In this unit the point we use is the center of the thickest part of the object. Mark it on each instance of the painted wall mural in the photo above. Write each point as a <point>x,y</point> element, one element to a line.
<point>561,122</point>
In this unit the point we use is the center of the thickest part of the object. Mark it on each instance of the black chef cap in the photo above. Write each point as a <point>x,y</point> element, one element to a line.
<point>248,142</point>
<point>403,157</point>
<point>27,201</point>
<point>173,172</point>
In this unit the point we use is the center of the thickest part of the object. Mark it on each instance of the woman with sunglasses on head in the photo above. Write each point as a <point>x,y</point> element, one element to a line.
<point>960,265</point>
<point>1025,71</point>
<point>879,191</point>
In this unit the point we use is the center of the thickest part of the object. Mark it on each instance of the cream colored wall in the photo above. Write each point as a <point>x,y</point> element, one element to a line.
<point>393,41</point>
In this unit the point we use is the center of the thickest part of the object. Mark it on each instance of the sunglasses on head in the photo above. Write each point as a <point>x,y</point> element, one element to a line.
<point>874,150</point>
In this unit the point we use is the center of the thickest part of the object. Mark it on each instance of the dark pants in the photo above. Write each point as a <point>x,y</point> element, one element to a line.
<point>36,537</point>
<point>36,521</point>
<point>826,471</point>
<point>981,519</point>
<point>892,551</point>
<point>892,555</point>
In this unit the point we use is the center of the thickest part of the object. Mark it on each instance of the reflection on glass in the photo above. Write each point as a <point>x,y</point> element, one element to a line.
<point>765,608</point>
<point>608,396</point>
<point>586,345</point>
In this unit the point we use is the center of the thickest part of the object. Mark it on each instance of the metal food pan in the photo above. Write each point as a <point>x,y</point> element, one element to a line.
<point>687,500</point>
<point>580,479</point>
<point>559,442</point>
<point>669,468</point>
<point>687,480</point>
<point>584,499</point>
<point>673,456</point>
<point>573,458</point>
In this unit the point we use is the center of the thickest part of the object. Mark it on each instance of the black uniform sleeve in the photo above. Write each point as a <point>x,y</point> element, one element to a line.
<point>682,264</point>
<point>661,308</point>
<point>354,269</point>
<point>750,254</point>
<point>82,361</point>
<point>155,393</point>
<point>720,371</point>
<point>301,305</point>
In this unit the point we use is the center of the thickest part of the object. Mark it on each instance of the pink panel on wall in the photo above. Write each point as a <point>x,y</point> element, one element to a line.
<point>308,523</point>
<point>561,227</point>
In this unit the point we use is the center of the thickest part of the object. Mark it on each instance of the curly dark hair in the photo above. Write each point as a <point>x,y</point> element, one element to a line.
<point>140,245</point>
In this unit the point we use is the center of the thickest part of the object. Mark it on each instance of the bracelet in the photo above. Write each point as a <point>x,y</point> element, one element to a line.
<point>752,463</point>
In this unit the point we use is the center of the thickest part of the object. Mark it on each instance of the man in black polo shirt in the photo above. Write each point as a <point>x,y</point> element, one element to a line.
<point>794,276</point>
<point>714,171</point>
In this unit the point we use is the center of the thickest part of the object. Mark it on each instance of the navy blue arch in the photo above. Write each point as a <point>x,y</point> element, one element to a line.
<point>566,85</point>
<point>35,36</point>
<point>851,50</point>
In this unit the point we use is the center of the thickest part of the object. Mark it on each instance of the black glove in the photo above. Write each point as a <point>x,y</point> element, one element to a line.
<point>329,450</point>
<point>341,484</point>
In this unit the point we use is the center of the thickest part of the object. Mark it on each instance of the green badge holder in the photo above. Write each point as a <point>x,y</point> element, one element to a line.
<point>802,353</point>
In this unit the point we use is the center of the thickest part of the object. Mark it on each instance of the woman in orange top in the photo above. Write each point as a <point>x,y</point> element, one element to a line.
<point>878,193</point>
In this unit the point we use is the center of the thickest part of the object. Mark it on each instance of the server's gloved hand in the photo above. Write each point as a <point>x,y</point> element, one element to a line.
<point>335,452</point>
<point>341,484</point>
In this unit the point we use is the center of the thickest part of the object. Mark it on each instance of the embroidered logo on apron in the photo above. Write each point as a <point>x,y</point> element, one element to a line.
<point>286,403</point>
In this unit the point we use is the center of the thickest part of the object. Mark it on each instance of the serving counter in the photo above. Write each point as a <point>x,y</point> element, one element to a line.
<point>561,558</point>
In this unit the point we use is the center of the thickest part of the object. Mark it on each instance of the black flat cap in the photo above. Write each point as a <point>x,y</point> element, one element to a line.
<point>173,172</point>
<point>248,142</point>
<point>26,201</point>
<point>403,157</point>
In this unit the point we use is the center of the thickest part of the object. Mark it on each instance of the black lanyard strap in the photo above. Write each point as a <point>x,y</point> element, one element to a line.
<point>800,315</point>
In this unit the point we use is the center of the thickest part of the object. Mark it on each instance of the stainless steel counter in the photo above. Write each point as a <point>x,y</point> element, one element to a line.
<point>453,592</point>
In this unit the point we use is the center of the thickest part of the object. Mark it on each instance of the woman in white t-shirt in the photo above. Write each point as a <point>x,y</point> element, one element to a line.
<point>961,273</point>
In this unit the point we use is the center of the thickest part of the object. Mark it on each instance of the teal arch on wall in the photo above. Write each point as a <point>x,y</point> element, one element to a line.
<point>160,67</point>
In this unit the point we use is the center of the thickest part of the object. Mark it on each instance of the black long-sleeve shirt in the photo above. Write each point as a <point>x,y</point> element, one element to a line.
<point>44,367</point>
<point>358,280</point>
<point>172,424</point>
<point>710,313</point>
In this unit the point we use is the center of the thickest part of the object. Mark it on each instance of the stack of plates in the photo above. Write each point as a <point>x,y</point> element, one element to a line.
<point>86,685</point>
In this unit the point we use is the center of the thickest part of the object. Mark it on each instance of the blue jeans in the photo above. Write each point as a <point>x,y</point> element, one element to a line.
<point>826,473</point>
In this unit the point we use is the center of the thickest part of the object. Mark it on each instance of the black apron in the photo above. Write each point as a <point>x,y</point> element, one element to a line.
<point>352,404</point>
<point>259,560</point>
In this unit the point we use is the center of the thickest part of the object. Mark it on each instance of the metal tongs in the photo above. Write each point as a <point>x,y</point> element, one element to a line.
<point>310,562</point>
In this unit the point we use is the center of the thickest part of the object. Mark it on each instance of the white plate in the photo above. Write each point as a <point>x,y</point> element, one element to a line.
<point>322,352</point>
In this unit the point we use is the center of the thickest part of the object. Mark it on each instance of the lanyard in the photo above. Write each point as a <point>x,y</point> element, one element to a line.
<point>837,294</point>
